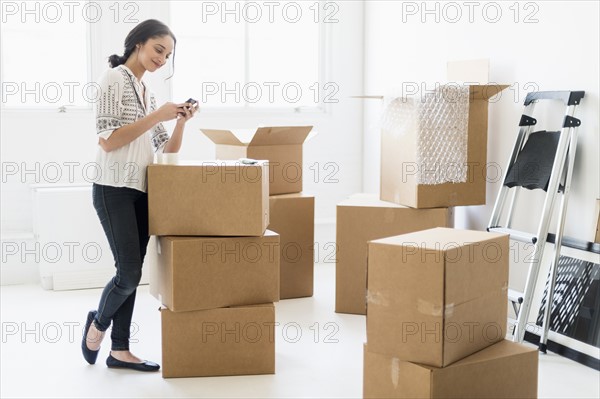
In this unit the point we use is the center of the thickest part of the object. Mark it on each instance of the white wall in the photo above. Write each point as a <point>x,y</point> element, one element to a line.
<point>558,52</point>
<point>30,138</point>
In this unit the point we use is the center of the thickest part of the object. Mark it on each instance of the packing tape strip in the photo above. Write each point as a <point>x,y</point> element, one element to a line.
<point>424,307</point>
<point>171,158</point>
<point>429,308</point>
<point>376,298</point>
<point>395,371</point>
<point>449,311</point>
<point>433,309</point>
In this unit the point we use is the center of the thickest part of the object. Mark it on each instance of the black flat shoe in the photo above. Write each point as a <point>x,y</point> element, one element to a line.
<point>89,355</point>
<point>118,364</point>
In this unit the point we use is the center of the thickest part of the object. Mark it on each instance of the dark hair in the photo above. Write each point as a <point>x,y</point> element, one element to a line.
<point>140,34</point>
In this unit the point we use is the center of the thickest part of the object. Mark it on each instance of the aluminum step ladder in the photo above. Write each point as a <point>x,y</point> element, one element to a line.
<point>539,160</point>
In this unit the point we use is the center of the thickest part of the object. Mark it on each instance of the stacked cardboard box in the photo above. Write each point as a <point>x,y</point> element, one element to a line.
<point>364,217</point>
<point>434,152</point>
<point>293,218</point>
<point>433,158</point>
<point>217,273</point>
<point>503,370</point>
<point>292,212</point>
<point>281,146</point>
<point>437,299</point>
<point>436,318</point>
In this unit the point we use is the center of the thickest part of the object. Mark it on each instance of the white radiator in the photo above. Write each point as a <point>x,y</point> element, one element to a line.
<point>71,246</point>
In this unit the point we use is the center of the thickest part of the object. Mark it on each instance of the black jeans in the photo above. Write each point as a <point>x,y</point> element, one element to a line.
<point>123,213</point>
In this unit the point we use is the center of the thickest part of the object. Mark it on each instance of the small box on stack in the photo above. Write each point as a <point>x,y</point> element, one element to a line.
<point>218,198</point>
<point>362,218</point>
<point>434,149</point>
<point>291,212</point>
<point>218,267</point>
<point>438,295</point>
<point>434,146</point>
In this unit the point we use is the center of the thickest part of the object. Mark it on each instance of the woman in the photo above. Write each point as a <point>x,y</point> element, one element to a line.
<point>130,131</point>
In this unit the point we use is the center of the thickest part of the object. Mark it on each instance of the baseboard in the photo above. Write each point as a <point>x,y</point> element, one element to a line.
<point>565,351</point>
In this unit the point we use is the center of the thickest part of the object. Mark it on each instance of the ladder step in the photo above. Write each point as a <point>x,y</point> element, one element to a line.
<point>515,296</point>
<point>515,234</point>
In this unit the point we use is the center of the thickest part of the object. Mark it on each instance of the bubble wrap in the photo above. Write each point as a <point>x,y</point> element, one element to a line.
<point>440,121</point>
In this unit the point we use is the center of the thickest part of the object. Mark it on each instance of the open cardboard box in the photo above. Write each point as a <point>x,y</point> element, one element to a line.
<point>281,146</point>
<point>447,165</point>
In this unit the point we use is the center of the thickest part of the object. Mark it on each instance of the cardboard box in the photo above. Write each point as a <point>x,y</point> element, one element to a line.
<point>215,342</point>
<point>437,296</point>
<point>293,218</point>
<point>194,273</point>
<point>361,218</point>
<point>503,370</point>
<point>426,160</point>
<point>281,146</point>
<point>223,198</point>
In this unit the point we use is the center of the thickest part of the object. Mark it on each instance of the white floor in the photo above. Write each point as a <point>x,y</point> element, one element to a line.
<point>41,355</point>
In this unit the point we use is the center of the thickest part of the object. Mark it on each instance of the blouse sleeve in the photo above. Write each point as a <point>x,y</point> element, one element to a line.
<point>159,133</point>
<point>109,106</point>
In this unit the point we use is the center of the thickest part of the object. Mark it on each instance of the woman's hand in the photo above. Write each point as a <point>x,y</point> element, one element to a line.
<point>168,111</point>
<point>186,112</point>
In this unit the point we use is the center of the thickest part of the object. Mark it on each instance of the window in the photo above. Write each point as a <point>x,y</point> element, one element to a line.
<point>249,54</point>
<point>45,54</point>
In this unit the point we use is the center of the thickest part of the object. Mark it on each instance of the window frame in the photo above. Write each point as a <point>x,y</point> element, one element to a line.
<point>91,34</point>
<point>324,57</point>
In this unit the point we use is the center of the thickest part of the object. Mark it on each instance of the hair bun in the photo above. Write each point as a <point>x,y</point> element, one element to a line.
<point>116,60</point>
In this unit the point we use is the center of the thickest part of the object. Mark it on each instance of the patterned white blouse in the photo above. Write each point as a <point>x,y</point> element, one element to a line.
<point>120,103</point>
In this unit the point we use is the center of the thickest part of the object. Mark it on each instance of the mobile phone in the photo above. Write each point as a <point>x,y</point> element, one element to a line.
<point>190,101</point>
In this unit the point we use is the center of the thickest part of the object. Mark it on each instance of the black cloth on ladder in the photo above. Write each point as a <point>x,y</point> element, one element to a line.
<point>533,166</point>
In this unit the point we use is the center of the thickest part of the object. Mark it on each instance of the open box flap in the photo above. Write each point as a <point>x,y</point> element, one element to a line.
<point>283,135</point>
<point>221,137</point>
<point>485,92</point>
